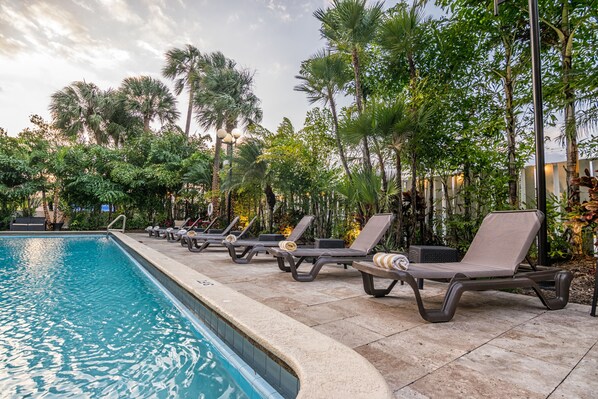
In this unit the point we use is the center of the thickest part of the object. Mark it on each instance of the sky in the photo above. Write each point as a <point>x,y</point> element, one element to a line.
<point>46,45</point>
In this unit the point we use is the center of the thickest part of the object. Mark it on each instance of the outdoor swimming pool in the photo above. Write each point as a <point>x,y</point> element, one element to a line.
<point>79,317</point>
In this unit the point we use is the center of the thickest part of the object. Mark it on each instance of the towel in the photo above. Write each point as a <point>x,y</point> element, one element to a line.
<point>169,229</point>
<point>391,261</point>
<point>180,232</point>
<point>288,245</point>
<point>191,233</point>
<point>149,228</point>
<point>156,227</point>
<point>230,238</point>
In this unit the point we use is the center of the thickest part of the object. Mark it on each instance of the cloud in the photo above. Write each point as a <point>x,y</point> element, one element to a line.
<point>148,47</point>
<point>120,11</point>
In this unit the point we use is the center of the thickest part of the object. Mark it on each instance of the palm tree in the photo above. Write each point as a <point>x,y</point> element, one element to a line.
<point>400,36</point>
<point>78,109</point>
<point>224,98</point>
<point>251,172</point>
<point>322,77</point>
<point>184,66</point>
<point>148,98</point>
<point>350,25</point>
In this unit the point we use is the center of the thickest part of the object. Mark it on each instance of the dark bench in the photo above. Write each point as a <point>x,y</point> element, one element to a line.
<point>28,224</point>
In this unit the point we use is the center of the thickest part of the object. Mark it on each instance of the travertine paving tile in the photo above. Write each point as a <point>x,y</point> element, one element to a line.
<point>515,368</point>
<point>583,381</point>
<point>553,342</point>
<point>528,351</point>
<point>456,382</point>
<point>397,370</point>
<point>348,333</point>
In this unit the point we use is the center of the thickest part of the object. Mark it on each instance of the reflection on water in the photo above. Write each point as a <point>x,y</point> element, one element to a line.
<point>77,320</point>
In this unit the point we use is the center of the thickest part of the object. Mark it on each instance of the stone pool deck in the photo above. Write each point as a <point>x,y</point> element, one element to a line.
<point>499,345</point>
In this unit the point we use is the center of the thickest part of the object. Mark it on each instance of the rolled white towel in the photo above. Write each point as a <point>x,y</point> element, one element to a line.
<point>181,232</point>
<point>288,245</point>
<point>149,228</point>
<point>230,238</point>
<point>169,229</point>
<point>156,227</point>
<point>391,261</point>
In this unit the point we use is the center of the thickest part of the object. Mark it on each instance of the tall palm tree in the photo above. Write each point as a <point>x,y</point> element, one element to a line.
<point>78,109</point>
<point>322,78</point>
<point>224,99</point>
<point>148,98</point>
<point>184,66</point>
<point>400,35</point>
<point>350,25</point>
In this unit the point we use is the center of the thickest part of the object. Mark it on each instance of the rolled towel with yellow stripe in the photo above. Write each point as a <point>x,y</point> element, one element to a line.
<point>288,245</point>
<point>191,233</point>
<point>391,261</point>
<point>230,238</point>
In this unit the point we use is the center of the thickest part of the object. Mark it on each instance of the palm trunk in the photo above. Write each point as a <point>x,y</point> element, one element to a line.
<point>341,150</point>
<point>216,177</point>
<point>189,113</point>
<point>45,206</point>
<point>431,203</point>
<point>146,124</point>
<point>56,198</point>
<point>367,161</point>
<point>510,127</point>
<point>570,120</point>
<point>413,196</point>
<point>378,152</point>
<point>399,183</point>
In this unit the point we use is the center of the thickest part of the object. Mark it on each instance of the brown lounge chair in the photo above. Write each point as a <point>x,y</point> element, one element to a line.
<point>195,243</point>
<point>252,247</point>
<point>372,232</point>
<point>219,240</point>
<point>492,262</point>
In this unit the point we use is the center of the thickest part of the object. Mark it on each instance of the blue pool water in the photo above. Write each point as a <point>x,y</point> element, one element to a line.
<point>79,319</point>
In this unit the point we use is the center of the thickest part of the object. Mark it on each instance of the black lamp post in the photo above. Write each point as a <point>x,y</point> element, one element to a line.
<point>534,34</point>
<point>230,139</point>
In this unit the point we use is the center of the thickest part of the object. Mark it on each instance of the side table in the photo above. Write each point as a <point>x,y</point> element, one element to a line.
<point>431,254</point>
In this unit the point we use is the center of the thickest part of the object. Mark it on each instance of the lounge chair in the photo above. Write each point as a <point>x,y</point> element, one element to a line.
<point>492,262</point>
<point>172,234</point>
<point>162,232</point>
<point>252,247</point>
<point>193,242</point>
<point>372,232</point>
<point>183,234</point>
<point>219,240</point>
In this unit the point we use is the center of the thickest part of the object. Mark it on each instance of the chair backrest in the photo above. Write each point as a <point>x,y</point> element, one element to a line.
<point>209,226</point>
<point>372,232</point>
<point>246,229</point>
<point>230,226</point>
<point>300,228</point>
<point>504,238</point>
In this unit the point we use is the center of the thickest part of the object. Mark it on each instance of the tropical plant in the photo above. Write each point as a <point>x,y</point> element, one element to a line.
<point>350,25</point>
<point>322,77</point>
<point>184,66</point>
<point>225,99</point>
<point>78,110</point>
<point>148,98</point>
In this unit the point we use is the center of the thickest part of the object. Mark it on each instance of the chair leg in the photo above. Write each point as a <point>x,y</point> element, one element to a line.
<point>370,289</point>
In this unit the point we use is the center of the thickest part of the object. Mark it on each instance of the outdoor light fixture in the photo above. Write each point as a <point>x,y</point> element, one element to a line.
<point>236,133</point>
<point>230,139</point>
<point>221,133</point>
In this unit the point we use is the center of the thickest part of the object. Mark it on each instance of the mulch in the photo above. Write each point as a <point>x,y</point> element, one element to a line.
<point>582,287</point>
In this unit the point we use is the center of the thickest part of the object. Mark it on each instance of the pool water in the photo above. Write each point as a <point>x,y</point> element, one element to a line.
<point>78,318</point>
